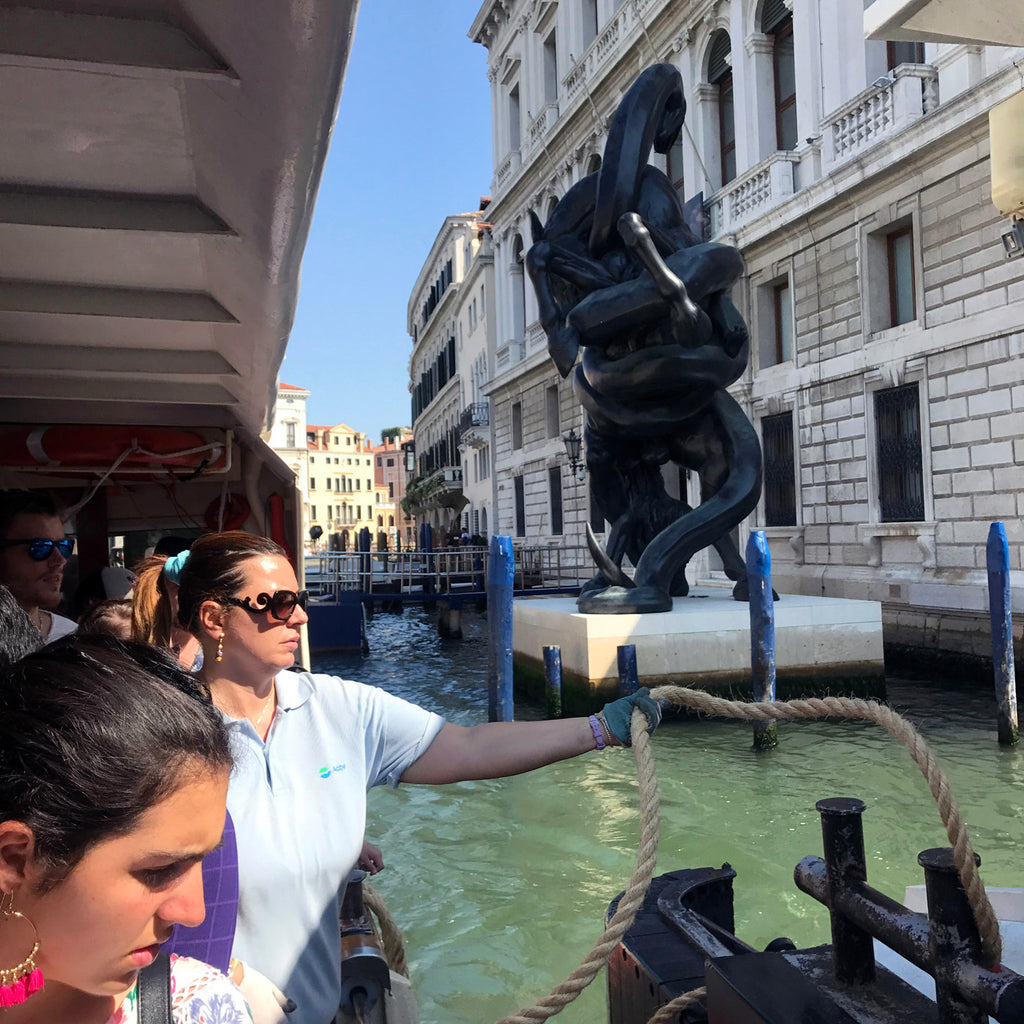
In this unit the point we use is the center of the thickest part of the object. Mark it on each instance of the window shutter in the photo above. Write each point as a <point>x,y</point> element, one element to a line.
<point>773,14</point>
<point>719,64</point>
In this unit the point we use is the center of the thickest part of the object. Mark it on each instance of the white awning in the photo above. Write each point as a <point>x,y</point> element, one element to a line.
<point>993,22</point>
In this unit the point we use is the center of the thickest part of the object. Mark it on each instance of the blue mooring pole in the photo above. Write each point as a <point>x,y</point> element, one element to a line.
<point>501,567</point>
<point>427,546</point>
<point>629,681</point>
<point>553,680</point>
<point>762,633</point>
<point>365,568</point>
<point>997,557</point>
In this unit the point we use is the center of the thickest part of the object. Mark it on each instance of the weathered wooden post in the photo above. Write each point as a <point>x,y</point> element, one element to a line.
<point>629,681</point>
<point>449,617</point>
<point>365,569</point>
<point>997,557</point>
<point>553,680</point>
<point>762,633</point>
<point>501,566</point>
<point>427,547</point>
<point>478,580</point>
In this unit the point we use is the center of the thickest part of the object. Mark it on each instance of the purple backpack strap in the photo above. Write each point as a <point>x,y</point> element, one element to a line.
<point>211,941</point>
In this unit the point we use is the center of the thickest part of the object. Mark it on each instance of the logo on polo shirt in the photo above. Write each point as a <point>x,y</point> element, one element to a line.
<point>326,771</point>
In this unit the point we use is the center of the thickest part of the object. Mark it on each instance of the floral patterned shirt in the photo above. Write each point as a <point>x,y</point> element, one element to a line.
<point>200,994</point>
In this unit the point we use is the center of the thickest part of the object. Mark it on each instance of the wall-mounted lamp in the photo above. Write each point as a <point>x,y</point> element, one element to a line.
<point>1013,240</point>
<point>573,448</point>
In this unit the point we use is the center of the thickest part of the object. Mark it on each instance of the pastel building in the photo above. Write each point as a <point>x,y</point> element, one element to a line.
<point>390,468</point>
<point>341,493</point>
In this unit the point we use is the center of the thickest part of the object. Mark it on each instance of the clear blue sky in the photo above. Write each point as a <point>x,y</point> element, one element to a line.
<point>411,145</point>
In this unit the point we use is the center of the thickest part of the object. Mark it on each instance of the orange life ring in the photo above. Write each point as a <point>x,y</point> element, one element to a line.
<point>98,447</point>
<point>236,512</point>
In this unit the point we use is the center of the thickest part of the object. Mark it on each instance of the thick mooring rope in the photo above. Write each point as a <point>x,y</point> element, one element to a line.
<point>823,707</point>
<point>390,934</point>
<point>643,871</point>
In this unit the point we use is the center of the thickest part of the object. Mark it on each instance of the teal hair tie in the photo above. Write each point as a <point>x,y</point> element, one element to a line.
<point>174,565</point>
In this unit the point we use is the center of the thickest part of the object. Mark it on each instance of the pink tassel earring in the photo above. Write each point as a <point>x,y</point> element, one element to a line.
<point>220,649</point>
<point>24,979</point>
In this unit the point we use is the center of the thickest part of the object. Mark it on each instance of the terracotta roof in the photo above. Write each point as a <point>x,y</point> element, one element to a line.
<point>290,387</point>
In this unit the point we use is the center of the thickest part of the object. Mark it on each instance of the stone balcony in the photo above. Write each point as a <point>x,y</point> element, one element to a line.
<point>445,489</point>
<point>753,193</point>
<point>512,352</point>
<point>539,126</point>
<point>886,107</point>
<point>473,426</point>
<point>628,19</point>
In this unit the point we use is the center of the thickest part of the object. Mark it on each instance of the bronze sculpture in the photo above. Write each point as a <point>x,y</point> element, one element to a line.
<point>620,275</point>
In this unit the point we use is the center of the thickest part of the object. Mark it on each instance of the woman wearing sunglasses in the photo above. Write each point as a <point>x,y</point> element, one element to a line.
<point>308,747</point>
<point>33,553</point>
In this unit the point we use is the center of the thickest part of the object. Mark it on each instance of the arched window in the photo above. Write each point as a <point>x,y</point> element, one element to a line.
<point>518,290</point>
<point>720,75</point>
<point>391,521</point>
<point>594,163</point>
<point>777,22</point>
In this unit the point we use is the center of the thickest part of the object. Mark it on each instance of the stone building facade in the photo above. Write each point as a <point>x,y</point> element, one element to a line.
<point>341,494</point>
<point>452,351</point>
<point>887,324</point>
<point>390,472</point>
<point>288,439</point>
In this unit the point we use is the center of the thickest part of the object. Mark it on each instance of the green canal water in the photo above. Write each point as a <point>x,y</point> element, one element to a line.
<point>501,887</point>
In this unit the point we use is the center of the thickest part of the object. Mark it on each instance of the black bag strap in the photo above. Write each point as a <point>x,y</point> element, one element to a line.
<point>155,992</point>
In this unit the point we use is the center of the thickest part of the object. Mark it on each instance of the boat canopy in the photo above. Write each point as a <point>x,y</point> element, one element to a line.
<point>158,172</point>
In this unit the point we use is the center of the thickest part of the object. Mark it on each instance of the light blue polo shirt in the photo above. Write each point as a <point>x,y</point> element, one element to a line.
<point>299,807</point>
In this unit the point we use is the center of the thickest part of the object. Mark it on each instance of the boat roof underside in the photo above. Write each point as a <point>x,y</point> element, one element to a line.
<point>159,165</point>
<point>158,171</point>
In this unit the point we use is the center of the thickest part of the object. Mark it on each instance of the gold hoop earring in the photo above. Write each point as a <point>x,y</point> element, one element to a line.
<point>220,649</point>
<point>24,979</point>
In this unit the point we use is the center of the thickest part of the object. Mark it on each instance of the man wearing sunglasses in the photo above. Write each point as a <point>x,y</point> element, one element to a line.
<point>33,552</point>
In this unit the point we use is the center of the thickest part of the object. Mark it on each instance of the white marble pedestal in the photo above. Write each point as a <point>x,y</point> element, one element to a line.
<point>831,644</point>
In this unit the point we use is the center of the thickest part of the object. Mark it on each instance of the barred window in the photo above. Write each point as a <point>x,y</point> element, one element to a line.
<point>517,426</point>
<point>520,494</point>
<point>898,430</point>
<point>555,487</point>
<point>779,470</point>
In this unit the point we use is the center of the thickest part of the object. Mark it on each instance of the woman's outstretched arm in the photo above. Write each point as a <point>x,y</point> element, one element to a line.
<point>495,749</point>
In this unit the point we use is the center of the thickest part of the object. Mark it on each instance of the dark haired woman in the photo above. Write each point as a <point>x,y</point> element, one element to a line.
<point>155,608</point>
<point>113,776</point>
<point>308,747</point>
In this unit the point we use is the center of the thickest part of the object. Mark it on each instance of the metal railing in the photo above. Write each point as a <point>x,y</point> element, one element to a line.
<point>456,570</point>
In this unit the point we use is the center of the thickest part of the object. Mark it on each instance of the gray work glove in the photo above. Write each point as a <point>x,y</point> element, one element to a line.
<point>619,712</point>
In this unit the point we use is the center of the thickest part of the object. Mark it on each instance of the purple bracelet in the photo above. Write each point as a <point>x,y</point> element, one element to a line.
<point>596,730</point>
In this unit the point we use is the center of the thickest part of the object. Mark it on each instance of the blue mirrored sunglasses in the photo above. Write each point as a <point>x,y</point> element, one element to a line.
<point>40,549</point>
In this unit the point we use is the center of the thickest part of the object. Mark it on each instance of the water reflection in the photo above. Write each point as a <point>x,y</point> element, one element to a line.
<point>501,887</point>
